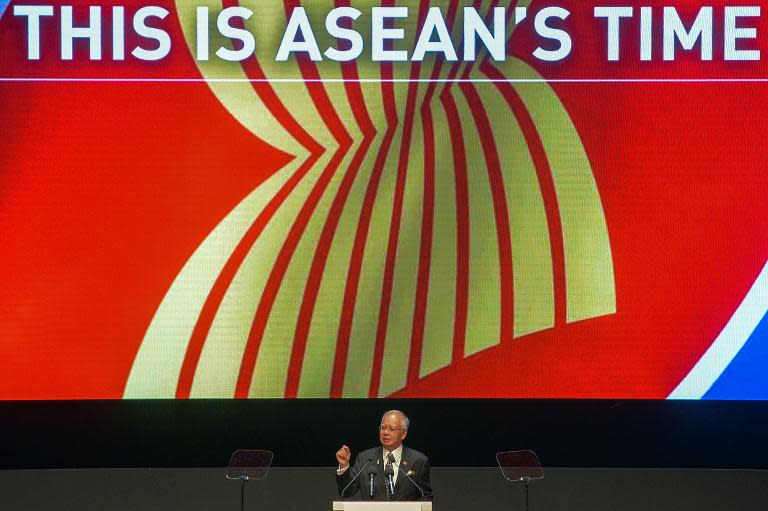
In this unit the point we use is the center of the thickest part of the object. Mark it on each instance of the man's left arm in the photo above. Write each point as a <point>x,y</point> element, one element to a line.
<point>424,481</point>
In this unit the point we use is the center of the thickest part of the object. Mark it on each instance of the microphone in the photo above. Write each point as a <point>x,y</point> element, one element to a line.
<point>389,473</point>
<point>409,477</point>
<point>371,482</point>
<point>353,479</point>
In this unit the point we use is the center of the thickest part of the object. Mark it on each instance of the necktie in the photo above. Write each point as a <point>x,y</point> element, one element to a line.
<point>389,469</point>
<point>391,460</point>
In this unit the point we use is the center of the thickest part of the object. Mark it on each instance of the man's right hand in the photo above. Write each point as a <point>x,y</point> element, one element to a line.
<point>343,456</point>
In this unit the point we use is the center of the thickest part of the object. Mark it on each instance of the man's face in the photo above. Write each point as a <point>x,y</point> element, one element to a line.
<point>391,432</point>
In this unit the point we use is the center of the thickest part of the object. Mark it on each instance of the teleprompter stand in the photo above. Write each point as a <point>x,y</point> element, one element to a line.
<point>520,466</point>
<point>247,464</point>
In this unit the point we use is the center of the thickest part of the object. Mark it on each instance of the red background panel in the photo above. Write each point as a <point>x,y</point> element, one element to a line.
<point>106,189</point>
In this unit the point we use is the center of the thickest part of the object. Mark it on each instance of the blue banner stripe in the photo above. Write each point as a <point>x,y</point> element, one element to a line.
<point>746,377</point>
<point>3,5</point>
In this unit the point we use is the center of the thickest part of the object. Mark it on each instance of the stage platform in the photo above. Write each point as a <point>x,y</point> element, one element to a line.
<point>456,489</point>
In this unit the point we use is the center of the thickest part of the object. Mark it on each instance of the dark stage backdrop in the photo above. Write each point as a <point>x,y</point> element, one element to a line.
<point>454,433</point>
<point>192,228</point>
<point>583,240</point>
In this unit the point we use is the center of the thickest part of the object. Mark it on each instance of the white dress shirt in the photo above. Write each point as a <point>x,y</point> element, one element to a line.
<point>397,453</point>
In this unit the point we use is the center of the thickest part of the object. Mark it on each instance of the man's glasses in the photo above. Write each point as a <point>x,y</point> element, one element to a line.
<point>392,429</point>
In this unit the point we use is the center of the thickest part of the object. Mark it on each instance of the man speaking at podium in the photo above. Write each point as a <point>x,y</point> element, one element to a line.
<point>390,472</point>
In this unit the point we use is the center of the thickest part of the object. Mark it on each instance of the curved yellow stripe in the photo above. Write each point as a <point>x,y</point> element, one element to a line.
<point>588,260</point>
<point>534,302</point>
<point>295,96</point>
<point>320,351</point>
<point>483,315</point>
<point>398,340</point>
<point>239,98</point>
<point>277,344</point>
<point>437,341</point>
<point>321,342</point>
<point>158,362</point>
<point>156,368</point>
<point>220,359</point>
<point>364,324</point>
<point>363,332</point>
<point>397,346</point>
<point>401,310</point>
<point>366,317</point>
<point>437,347</point>
<point>274,355</point>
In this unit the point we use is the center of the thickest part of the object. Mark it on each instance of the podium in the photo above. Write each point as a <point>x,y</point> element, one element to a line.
<point>349,505</point>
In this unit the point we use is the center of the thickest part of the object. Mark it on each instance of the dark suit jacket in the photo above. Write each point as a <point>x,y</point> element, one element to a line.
<point>413,463</point>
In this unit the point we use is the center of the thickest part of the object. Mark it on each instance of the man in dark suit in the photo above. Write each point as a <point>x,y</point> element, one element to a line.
<point>408,468</point>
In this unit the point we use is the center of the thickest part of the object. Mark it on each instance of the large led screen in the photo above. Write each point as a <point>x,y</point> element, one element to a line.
<point>222,199</point>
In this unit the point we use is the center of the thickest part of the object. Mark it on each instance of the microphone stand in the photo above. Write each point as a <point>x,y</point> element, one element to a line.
<point>411,479</point>
<point>526,480</point>
<point>242,493</point>
<point>390,475</point>
<point>371,484</point>
<point>353,479</point>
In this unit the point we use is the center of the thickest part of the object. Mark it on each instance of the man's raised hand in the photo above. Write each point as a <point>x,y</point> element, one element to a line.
<point>343,456</point>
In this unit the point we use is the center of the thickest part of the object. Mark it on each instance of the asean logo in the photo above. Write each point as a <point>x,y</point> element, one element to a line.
<point>425,217</point>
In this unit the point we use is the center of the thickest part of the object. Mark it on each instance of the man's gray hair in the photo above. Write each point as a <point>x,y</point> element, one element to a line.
<point>405,421</point>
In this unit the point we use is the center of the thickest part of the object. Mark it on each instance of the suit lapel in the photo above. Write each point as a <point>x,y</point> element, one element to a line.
<point>403,469</point>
